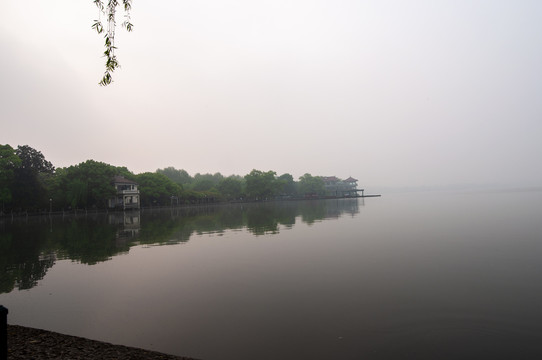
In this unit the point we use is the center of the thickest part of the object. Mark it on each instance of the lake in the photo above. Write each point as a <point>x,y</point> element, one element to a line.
<point>405,276</point>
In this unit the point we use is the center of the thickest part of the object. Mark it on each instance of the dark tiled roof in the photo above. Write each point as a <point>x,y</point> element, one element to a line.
<point>330,178</point>
<point>122,180</point>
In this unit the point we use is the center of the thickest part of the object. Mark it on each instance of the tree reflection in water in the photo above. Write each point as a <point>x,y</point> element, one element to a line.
<point>30,246</point>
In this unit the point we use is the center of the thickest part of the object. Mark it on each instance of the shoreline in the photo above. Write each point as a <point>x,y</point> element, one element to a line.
<point>86,212</point>
<point>38,344</point>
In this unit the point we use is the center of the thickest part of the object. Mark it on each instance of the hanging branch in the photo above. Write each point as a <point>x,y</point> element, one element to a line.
<point>109,12</point>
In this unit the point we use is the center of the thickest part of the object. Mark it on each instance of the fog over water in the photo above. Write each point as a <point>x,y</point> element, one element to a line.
<point>411,275</point>
<point>392,93</point>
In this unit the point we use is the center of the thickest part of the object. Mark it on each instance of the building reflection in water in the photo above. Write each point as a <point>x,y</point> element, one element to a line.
<point>128,224</point>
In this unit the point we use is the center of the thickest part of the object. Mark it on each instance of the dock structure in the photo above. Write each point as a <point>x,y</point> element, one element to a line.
<point>337,188</point>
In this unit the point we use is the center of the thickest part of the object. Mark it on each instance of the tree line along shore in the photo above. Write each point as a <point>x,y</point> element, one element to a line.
<point>31,184</point>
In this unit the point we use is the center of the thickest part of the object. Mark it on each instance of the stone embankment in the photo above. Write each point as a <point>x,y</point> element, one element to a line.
<point>29,343</point>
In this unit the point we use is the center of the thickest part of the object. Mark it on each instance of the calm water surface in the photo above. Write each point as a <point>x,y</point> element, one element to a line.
<point>417,276</point>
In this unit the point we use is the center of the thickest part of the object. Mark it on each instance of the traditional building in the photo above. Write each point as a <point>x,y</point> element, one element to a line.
<point>127,196</point>
<point>336,187</point>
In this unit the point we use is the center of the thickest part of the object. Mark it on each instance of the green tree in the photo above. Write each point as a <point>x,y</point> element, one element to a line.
<point>203,184</point>
<point>88,184</point>
<point>9,161</point>
<point>31,175</point>
<point>311,185</point>
<point>261,185</point>
<point>157,189</point>
<point>33,159</point>
<point>231,188</point>
<point>76,193</point>
<point>206,182</point>
<point>180,177</point>
<point>287,185</point>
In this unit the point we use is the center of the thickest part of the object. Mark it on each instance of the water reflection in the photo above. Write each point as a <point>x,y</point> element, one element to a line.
<point>29,247</point>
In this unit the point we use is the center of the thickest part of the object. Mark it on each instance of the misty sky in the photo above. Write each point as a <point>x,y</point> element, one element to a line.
<point>393,93</point>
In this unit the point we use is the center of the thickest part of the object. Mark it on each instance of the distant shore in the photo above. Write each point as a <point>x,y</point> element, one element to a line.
<point>30,343</point>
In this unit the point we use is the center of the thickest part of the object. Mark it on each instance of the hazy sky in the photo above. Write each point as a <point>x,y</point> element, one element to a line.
<point>391,92</point>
